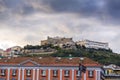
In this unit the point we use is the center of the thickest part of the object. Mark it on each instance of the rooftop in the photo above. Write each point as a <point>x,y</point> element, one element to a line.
<point>50,61</point>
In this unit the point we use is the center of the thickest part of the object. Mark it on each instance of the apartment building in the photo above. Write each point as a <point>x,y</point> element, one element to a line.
<point>12,51</point>
<point>112,72</point>
<point>49,68</point>
<point>93,44</point>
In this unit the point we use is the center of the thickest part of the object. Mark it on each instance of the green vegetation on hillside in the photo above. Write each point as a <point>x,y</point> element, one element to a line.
<point>103,56</point>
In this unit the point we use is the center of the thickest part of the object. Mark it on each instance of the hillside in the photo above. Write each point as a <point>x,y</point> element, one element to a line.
<point>101,55</point>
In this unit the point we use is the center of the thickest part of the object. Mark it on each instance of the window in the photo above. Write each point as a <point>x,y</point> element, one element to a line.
<point>3,72</point>
<point>66,72</point>
<point>90,73</point>
<point>43,72</point>
<point>28,72</point>
<point>55,72</point>
<point>14,72</point>
<point>78,73</point>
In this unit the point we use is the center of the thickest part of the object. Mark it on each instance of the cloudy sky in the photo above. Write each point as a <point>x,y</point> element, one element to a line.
<point>29,21</point>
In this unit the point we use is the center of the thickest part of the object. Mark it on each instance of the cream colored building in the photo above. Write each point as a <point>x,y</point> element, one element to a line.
<point>44,42</point>
<point>58,41</point>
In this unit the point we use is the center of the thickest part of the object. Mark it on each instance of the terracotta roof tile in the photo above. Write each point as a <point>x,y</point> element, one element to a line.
<point>51,61</point>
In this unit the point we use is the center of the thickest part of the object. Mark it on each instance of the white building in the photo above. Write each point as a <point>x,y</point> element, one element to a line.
<point>93,44</point>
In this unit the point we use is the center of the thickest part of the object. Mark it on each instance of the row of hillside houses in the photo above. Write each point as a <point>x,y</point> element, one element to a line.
<point>17,51</point>
<point>13,51</point>
<point>56,68</point>
<point>69,43</point>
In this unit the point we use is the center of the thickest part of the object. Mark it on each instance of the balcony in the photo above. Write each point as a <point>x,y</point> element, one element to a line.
<point>28,74</point>
<point>112,75</point>
<point>66,75</point>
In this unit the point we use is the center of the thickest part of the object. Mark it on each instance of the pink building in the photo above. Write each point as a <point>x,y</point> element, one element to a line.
<point>48,68</point>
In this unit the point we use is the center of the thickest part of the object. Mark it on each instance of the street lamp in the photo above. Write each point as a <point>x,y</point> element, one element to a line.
<point>82,68</point>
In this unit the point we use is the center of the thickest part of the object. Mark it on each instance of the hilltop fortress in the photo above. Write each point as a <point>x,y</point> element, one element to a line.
<point>68,42</point>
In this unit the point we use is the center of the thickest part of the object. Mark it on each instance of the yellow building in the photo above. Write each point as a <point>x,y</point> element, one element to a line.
<point>112,72</point>
<point>44,42</point>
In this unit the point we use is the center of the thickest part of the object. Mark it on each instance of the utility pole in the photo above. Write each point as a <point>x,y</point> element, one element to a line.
<point>82,68</point>
<point>80,71</point>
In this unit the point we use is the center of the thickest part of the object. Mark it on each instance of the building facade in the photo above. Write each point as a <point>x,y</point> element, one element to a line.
<point>12,51</point>
<point>59,41</point>
<point>93,44</point>
<point>112,72</point>
<point>26,68</point>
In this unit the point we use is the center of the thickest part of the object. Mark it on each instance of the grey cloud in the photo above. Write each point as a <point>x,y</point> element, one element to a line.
<point>74,6</point>
<point>2,7</point>
<point>106,10</point>
<point>87,8</point>
<point>31,38</point>
<point>13,10</point>
<point>114,8</point>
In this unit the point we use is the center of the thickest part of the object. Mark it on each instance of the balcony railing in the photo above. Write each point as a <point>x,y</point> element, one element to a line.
<point>112,75</point>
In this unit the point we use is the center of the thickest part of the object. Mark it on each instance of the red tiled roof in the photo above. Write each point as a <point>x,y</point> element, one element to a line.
<point>51,61</point>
